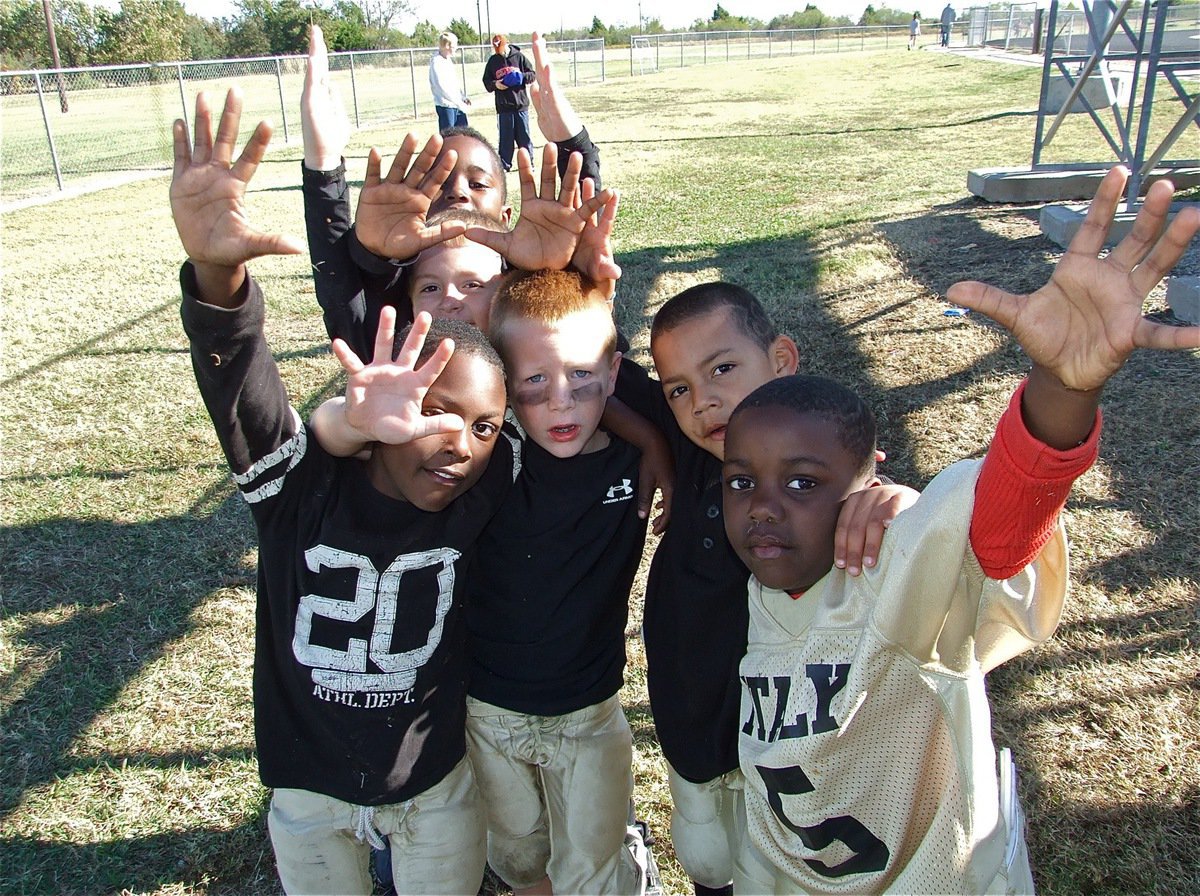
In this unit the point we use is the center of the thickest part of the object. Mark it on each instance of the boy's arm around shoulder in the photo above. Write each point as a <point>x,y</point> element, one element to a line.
<point>222,306</point>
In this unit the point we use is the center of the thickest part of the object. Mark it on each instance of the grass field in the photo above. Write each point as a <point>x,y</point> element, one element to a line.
<point>834,189</point>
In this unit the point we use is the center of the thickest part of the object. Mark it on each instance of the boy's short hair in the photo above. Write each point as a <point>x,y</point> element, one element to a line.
<point>462,130</point>
<point>468,340</point>
<point>547,297</point>
<point>467,216</point>
<point>745,310</point>
<point>447,39</point>
<point>827,399</point>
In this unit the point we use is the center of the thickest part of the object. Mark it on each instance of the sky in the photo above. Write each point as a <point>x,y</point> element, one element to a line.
<point>675,15</point>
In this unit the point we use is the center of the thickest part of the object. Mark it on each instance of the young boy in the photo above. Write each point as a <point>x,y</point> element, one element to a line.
<point>712,345</point>
<point>548,602</point>
<point>866,737</point>
<point>360,659</point>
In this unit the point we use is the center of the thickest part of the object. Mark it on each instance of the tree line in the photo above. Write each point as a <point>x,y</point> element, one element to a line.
<point>163,31</point>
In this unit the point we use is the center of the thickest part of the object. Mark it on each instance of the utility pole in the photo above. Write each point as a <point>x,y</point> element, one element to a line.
<point>479,20</point>
<point>62,87</point>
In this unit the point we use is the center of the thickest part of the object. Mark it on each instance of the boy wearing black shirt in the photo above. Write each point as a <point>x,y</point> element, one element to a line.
<point>360,664</point>
<point>549,596</point>
<point>712,345</point>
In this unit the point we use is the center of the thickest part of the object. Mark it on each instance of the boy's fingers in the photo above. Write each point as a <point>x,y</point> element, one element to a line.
<point>997,304</point>
<point>595,204</point>
<point>350,362</point>
<point>385,333</point>
<point>227,129</point>
<point>1150,334</point>
<point>437,362</point>
<point>414,342</point>
<point>182,152</point>
<point>253,152</point>
<point>437,425</point>
<point>1090,237</point>
<point>525,175</point>
<point>202,130</point>
<point>493,239</point>
<point>374,163</point>
<point>425,161</point>
<point>1167,250</point>
<point>431,183</point>
<point>258,244</point>
<point>402,159</point>
<point>1147,227</point>
<point>570,179</point>
<point>549,169</point>
<point>447,230</point>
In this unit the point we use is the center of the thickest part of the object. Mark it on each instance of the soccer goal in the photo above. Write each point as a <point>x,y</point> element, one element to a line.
<point>643,56</point>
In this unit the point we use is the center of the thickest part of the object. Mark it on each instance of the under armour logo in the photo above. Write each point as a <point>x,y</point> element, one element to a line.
<point>622,490</point>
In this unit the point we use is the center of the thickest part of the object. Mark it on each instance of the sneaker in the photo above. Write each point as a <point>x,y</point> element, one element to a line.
<point>638,840</point>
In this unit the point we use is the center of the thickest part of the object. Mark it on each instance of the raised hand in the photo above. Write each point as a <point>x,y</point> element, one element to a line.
<point>384,398</point>
<point>549,228</point>
<point>1082,325</point>
<point>392,210</point>
<point>556,118</point>
<point>594,253</point>
<point>208,189</point>
<point>323,119</point>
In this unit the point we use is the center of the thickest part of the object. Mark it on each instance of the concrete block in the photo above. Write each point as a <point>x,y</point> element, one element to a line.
<point>1183,298</point>
<point>1060,222</point>
<point>1025,185</point>
<point>1099,91</point>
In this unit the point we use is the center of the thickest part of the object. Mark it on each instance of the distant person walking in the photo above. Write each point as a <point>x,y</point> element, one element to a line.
<point>948,18</point>
<point>449,98</point>
<point>506,75</point>
<point>914,30</point>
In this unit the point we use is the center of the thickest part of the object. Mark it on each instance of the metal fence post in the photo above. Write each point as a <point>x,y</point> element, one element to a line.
<point>705,42</point>
<point>49,136</point>
<point>726,46</point>
<point>412,77</point>
<point>182,97</point>
<point>603,54</point>
<point>575,63</point>
<point>354,91</point>
<point>681,49</point>
<point>282,107</point>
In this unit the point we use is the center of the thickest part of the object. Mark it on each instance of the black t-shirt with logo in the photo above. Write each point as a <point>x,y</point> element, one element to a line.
<point>549,590</point>
<point>360,646</point>
<point>696,615</point>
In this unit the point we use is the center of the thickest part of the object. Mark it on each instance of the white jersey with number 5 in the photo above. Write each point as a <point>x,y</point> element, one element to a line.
<point>866,733</point>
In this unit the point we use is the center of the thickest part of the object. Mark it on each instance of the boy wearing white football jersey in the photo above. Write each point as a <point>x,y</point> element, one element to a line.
<point>866,733</point>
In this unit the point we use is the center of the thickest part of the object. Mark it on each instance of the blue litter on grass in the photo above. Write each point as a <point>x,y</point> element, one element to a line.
<point>956,312</point>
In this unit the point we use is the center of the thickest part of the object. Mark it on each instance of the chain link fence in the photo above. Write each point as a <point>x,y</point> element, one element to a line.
<point>82,128</point>
<point>76,128</point>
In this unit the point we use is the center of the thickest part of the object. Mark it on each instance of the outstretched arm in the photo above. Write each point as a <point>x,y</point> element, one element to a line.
<point>383,398</point>
<point>558,120</point>
<point>323,121</point>
<point>208,201</point>
<point>1079,329</point>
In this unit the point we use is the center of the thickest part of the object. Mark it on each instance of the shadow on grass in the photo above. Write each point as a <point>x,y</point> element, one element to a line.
<point>137,584</point>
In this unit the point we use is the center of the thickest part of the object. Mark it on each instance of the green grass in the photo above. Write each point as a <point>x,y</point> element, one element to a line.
<point>834,189</point>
